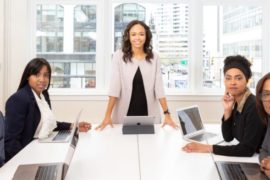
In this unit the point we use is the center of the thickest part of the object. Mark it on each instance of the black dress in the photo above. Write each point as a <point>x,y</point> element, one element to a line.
<point>138,102</point>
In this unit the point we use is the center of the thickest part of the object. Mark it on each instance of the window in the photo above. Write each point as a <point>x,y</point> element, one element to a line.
<point>231,30</point>
<point>192,39</point>
<point>171,44</point>
<point>66,37</point>
<point>49,35</point>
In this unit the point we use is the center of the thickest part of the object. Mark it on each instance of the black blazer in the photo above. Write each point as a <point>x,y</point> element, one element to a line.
<point>246,127</point>
<point>21,120</point>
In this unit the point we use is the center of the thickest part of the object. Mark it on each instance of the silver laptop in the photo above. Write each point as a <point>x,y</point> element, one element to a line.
<point>239,170</point>
<point>138,125</point>
<point>48,171</point>
<point>63,135</point>
<point>193,128</point>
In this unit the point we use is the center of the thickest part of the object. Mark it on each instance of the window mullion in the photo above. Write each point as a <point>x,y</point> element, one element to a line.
<point>195,66</point>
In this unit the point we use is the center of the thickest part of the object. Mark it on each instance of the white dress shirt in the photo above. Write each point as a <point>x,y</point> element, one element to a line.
<point>48,121</point>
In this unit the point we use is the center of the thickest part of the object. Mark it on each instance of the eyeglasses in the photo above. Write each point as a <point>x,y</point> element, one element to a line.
<point>265,96</point>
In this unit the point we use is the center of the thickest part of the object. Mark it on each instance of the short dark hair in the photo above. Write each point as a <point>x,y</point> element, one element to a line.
<point>126,45</point>
<point>259,88</point>
<point>33,68</point>
<point>239,62</point>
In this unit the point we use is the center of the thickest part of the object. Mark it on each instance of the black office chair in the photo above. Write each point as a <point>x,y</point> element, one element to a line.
<point>2,131</point>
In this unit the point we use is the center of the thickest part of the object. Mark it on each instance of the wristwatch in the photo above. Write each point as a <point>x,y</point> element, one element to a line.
<point>166,112</point>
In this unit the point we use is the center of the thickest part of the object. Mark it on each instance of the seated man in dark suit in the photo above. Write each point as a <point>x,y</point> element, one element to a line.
<point>2,152</point>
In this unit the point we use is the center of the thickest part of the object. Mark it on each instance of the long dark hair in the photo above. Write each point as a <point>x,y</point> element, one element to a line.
<point>33,68</point>
<point>259,88</point>
<point>126,45</point>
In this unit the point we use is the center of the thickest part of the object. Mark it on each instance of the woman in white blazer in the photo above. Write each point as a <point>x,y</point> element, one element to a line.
<point>136,82</point>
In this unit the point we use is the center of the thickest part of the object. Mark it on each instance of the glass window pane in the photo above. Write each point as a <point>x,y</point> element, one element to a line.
<point>238,30</point>
<point>49,28</point>
<point>169,27</point>
<point>69,45</point>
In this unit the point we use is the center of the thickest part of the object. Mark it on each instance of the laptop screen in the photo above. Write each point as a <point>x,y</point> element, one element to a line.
<point>139,120</point>
<point>190,120</point>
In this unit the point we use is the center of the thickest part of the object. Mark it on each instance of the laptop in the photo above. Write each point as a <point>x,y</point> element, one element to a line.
<point>62,136</point>
<point>45,171</point>
<point>239,170</point>
<point>192,127</point>
<point>138,125</point>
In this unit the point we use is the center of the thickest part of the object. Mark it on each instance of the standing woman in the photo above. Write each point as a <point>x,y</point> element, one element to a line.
<point>28,111</point>
<point>240,120</point>
<point>136,81</point>
<point>263,106</point>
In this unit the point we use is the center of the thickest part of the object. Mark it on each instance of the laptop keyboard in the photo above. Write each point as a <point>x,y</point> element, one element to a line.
<point>234,171</point>
<point>48,172</point>
<point>204,136</point>
<point>62,135</point>
<point>199,137</point>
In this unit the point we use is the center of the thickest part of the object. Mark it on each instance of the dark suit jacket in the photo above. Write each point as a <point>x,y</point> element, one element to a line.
<point>246,127</point>
<point>22,119</point>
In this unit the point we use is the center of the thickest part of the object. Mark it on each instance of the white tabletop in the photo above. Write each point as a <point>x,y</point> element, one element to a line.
<point>110,155</point>
<point>161,158</point>
<point>35,152</point>
<point>105,155</point>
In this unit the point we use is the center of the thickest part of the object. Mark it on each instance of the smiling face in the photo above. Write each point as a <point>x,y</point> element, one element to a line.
<point>266,96</point>
<point>40,81</point>
<point>235,82</point>
<point>137,36</point>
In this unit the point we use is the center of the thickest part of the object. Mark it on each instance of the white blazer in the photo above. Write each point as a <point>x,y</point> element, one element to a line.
<point>122,75</point>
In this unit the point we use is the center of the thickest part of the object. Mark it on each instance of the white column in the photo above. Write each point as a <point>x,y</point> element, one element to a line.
<point>68,28</point>
<point>16,43</point>
<point>195,44</point>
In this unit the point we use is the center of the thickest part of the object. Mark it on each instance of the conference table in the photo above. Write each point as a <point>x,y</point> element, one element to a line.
<point>110,155</point>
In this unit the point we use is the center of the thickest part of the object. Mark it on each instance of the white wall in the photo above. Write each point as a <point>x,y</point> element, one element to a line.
<point>16,43</point>
<point>1,55</point>
<point>66,107</point>
<point>15,52</point>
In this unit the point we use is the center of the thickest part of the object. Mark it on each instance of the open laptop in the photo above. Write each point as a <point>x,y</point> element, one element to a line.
<point>239,170</point>
<point>45,171</point>
<point>193,128</point>
<point>63,135</point>
<point>138,125</point>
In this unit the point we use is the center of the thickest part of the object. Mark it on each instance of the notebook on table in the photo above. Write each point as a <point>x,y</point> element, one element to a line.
<point>138,125</point>
<point>192,126</point>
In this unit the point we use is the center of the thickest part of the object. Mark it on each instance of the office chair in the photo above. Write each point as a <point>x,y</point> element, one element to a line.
<point>2,131</point>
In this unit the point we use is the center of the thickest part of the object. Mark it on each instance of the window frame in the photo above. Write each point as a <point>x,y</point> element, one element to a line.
<point>105,39</point>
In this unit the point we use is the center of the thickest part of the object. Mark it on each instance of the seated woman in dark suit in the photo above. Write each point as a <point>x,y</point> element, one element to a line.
<point>28,111</point>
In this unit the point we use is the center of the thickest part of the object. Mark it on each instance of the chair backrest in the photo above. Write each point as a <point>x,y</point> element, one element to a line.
<point>2,131</point>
